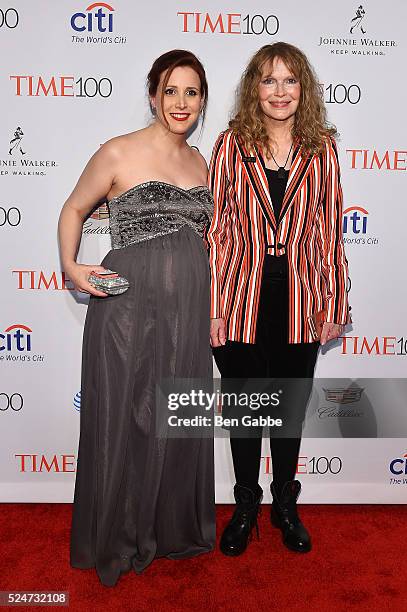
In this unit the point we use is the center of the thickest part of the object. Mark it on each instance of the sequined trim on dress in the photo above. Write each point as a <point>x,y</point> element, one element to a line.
<point>156,208</point>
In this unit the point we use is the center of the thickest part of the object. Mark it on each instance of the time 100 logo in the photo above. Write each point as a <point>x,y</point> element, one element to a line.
<point>340,93</point>
<point>61,86</point>
<point>10,216</point>
<point>9,18</point>
<point>13,402</point>
<point>310,465</point>
<point>229,23</point>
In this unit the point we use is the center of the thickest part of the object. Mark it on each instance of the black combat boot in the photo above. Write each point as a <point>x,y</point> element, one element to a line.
<point>284,516</point>
<point>237,533</point>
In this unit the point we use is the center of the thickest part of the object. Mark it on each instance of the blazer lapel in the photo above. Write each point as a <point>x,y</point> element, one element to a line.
<point>253,168</point>
<point>296,177</point>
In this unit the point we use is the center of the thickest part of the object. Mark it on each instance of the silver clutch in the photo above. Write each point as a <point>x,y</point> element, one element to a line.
<point>112,286</point>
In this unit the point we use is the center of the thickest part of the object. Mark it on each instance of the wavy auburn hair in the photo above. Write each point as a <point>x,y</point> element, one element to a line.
<point>310,124</point>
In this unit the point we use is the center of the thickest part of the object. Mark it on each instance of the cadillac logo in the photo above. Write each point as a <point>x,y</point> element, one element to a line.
<point>343,396</point>
<point>102,212</point>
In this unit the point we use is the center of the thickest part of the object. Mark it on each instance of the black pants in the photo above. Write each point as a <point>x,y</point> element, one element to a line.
<point>270,357</point>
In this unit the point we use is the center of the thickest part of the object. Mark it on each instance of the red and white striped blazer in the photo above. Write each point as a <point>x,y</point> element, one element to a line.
<point>244,228</point>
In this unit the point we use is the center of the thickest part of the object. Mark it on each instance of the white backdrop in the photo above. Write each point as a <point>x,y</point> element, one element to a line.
<point>72,76</point>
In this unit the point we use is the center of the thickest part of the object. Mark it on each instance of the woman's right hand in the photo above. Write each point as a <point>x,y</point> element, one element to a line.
<point>79,274</point>
<point>218,332</point>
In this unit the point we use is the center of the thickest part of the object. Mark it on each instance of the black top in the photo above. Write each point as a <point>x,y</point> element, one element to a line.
<point>276,267</point>
<point>277,189</point>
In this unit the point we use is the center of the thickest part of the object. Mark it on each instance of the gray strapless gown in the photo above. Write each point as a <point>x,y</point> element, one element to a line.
<point>138,496</point>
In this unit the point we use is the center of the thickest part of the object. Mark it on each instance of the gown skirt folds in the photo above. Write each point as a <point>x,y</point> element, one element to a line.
<point>139,496</point>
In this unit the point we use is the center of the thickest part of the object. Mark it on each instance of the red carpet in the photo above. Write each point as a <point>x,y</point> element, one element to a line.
<point>358,563</point>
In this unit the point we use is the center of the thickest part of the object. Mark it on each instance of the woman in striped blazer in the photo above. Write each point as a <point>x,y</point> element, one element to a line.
<point>277,264</point>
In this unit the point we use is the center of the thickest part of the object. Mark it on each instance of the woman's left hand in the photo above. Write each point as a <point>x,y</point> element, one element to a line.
<point>330,331</point>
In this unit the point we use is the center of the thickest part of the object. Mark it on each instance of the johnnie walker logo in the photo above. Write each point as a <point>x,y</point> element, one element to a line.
<point>19,162</point>
<point>356,22</point>
<point>357,43</point>
<point>15,142</point>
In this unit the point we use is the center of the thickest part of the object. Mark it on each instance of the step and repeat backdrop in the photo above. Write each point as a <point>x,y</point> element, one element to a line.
<point>72,76</point>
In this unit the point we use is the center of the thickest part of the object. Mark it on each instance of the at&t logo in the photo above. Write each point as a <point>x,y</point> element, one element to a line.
<point>98,18</point>
<point>77,401</point>
<point>398,469</point>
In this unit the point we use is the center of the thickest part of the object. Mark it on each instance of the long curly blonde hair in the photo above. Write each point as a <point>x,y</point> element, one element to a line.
<point>310,126</point>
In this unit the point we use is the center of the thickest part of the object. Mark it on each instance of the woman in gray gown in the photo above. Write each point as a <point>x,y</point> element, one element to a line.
<point>139,495</point>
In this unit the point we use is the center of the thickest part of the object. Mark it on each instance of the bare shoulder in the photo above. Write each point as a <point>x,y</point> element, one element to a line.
<point>119,146</point>
<point>199,159</point>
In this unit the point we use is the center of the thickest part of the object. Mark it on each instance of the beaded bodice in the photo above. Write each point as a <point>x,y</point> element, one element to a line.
<point>155,208</point>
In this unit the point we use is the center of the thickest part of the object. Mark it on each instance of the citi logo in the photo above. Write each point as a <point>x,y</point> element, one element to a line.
<point>399,466</point>
<point>16,337</point>
<point>98,18</point>
<point>355,220</point>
